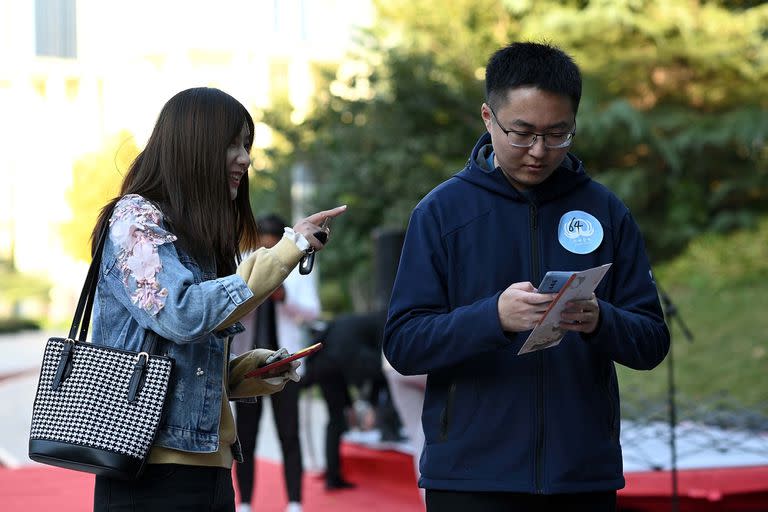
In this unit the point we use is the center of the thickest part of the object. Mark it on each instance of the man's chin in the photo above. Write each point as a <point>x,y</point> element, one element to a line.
<point>524,181</point>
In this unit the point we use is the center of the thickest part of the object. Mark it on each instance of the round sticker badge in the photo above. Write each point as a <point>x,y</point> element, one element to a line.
<point>579,232</point>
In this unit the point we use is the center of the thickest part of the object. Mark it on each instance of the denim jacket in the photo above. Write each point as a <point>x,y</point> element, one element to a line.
<point>148,283</point>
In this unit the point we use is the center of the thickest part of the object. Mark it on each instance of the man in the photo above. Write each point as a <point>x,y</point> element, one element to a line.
<point>506,431</point>
<point>277,324</point>
<point>351,356</point>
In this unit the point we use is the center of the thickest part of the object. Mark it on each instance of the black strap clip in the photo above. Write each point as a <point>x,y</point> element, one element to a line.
<point>138,376</point>
<point>65,364</point>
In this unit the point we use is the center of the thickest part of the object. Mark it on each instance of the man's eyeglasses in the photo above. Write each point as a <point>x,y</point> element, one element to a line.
<point>528,139</point>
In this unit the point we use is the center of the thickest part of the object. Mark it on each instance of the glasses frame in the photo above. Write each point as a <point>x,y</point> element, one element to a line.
<point>536,136</point>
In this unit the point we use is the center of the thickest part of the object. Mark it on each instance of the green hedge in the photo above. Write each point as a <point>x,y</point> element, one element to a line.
<point>9,325</point>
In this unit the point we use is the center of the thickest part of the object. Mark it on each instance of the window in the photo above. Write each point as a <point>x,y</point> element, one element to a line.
<point>55,28</point>
<point>290,19</point>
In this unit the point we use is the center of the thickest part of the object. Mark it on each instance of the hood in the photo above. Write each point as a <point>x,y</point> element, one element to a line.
<point>569,175</point>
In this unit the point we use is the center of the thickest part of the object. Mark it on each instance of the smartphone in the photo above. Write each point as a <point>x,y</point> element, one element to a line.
<point>282,362</point>
<point>553,281</point>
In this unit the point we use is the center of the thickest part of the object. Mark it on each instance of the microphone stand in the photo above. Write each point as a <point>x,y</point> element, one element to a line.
<point>671,313</point>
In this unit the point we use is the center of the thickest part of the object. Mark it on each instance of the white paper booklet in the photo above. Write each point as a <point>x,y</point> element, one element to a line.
<point>547,332</point>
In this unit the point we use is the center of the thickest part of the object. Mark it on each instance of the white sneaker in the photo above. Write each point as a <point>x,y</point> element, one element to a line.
<point>293,506</point>
<point>243,507</point>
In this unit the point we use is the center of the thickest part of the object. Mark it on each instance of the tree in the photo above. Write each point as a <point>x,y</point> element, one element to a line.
<point>17,289</point>
<point>672,116</point>
<point>96,178</point>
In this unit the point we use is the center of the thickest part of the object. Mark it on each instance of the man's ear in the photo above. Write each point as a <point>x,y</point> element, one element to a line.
<point>485,113</point>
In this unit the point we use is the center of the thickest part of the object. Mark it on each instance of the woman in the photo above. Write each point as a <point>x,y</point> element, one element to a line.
<point>169,266</point>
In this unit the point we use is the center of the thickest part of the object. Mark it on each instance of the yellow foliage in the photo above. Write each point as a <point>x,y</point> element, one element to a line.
<point>96,178</point>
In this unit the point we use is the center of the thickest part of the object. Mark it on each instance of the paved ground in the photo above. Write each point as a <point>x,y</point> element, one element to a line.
<point>20,356</point>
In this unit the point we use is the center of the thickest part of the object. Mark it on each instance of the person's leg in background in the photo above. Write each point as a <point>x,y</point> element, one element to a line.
<point>247,417</point>
<point>408,396</point>
<point>388,418</point>
<point>285,406</point>
<point>337,399</point>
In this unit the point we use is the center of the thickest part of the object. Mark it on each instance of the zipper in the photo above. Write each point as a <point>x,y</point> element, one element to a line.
<point>445,417</point>
<point>538,463</point>
<point>533,212</point>
<point>613,405</point>
<point>535,274</point>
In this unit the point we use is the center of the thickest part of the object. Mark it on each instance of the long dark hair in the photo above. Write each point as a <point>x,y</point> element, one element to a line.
<point>183,170</point>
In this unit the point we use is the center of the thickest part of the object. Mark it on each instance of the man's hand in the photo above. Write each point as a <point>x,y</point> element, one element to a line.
<point>521,307</point>
<point>581,315</point>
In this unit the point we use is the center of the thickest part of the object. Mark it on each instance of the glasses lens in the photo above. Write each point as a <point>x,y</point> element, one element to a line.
<point>558,140</point>
<point>521,140</point>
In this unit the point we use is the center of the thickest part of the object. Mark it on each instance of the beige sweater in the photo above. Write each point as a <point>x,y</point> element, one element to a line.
<point>263,271</point>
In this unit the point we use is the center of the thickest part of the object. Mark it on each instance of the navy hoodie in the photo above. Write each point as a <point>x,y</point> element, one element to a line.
<point>543,422</point>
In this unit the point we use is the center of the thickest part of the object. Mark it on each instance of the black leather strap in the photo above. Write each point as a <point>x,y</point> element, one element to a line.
<point>82,318</point>
<point>85,303</point>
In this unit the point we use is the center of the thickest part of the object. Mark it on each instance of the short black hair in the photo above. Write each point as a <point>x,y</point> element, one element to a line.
<point>530,64</point>
<point>271,224</point>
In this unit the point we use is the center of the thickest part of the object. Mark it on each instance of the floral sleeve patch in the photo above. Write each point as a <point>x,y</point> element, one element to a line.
<point>135,230</point>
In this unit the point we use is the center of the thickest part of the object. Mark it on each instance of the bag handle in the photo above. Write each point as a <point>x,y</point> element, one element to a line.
<point>82,318</point>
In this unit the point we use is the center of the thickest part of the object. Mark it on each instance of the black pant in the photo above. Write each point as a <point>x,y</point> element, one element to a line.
<point>167,488</point>
<point>337,399</point>
<point>453,501</point>
<point>285,407</point>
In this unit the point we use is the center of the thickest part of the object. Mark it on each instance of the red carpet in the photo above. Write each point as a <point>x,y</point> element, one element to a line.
<point>699,490</point>
<point>385,482</point>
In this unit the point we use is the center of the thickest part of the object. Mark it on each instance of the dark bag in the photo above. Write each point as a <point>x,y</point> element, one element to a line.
<point>97,408</point>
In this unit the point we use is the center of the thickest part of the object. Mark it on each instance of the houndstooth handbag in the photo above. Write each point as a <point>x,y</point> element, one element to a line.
<point>97,408</point>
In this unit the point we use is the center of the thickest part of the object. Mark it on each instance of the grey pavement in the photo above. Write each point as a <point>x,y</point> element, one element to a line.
<point>20,358</point>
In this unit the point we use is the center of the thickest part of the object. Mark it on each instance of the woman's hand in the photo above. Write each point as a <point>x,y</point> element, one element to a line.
<point>241,386</point>
<point>282,373</point>
<point>311,225</point>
